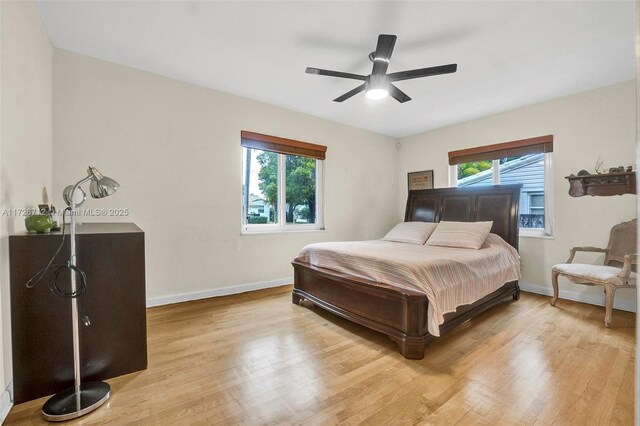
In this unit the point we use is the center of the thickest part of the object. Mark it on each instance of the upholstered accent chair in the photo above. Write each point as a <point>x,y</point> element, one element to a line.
<point>618,271</point>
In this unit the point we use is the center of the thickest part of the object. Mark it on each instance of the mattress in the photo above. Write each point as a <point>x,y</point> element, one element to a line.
<point>449,277</point>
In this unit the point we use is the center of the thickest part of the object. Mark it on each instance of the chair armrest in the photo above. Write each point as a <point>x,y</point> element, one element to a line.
<point>629,259</point>
<point>573,251</point>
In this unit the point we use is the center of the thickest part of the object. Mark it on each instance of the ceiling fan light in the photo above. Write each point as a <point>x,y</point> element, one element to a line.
<point>377,93</point>
<point>376,86</point>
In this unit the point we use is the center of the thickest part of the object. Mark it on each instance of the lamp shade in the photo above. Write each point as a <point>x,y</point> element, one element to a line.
<point>101,186</point>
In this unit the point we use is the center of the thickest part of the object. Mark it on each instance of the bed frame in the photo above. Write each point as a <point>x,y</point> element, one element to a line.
<point>399,313</point>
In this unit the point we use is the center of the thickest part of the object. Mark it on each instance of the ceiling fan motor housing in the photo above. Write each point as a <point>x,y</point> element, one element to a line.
<point>376,81</point>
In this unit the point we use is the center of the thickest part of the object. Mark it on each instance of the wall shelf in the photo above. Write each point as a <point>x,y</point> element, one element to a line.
<point>602,184</point>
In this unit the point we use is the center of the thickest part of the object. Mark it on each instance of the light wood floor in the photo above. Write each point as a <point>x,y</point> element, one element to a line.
<point>258,359</point>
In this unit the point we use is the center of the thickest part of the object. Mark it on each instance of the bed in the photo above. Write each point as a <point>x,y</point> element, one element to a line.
<point>402,313</point>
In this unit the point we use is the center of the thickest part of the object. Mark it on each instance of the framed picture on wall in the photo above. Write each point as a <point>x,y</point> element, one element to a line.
<point>420,180</point>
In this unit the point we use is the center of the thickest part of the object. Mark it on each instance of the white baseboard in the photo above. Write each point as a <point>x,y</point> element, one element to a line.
<point>592,299</point>
<point>6,402</point>
<point>622,304</point>
<point>216,292</point>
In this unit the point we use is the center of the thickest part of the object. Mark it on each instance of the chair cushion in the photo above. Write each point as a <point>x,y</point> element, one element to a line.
<point>592,272</point>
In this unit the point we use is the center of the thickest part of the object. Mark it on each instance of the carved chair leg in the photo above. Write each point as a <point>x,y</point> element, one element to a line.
<point>554,282</point>
<point>610,292</point>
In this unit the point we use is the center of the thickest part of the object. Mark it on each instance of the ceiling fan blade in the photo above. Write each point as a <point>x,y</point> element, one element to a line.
<point>398,94</point>
<point>329,73</point>
<point>349,94</point>
<point>422,72</point>
<point>383,52</point>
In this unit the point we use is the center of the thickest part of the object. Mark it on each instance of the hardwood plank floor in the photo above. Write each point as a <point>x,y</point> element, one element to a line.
<point>256,358</point>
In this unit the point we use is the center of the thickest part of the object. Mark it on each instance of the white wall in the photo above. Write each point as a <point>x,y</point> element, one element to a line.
<point>585,125</point>
<point>25,134</point>
<point>175,149</point>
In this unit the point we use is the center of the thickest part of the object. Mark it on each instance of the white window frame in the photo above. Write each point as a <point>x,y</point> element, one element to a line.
<point>547,231</point>
<point>282,226</point>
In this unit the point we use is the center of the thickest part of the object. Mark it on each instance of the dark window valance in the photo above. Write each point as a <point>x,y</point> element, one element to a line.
<point>536,145</point>
<point>282,145</point>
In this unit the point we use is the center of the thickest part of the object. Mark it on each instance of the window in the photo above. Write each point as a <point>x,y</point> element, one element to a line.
<point>281,184</point>
<point>536,203</point>
<point>526,162</point>
<point>475,173</point>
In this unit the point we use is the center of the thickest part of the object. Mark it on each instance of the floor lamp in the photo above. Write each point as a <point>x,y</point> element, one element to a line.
<point>82,398</point>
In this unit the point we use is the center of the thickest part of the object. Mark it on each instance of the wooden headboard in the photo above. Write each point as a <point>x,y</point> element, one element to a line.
<point>499,203</point>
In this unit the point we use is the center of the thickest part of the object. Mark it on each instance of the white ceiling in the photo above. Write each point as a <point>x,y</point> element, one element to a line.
<point>509,53</point>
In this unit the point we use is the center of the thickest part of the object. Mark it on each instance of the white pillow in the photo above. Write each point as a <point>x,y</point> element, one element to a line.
<point>460,234</point>
<point>411,232</point>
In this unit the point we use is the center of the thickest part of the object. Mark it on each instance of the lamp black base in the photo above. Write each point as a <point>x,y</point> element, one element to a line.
<point>68,404</point>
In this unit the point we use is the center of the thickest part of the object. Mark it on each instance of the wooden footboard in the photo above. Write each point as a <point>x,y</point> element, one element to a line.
<point>400,314</point>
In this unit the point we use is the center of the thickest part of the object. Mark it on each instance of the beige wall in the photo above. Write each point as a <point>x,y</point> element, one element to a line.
<point>637,92</point>
<point>598,122</point>
<point>175,149</point>
<point>25,133</point>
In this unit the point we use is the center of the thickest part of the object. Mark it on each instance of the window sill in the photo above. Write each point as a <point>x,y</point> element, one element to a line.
<point>245,232</point>
<point>535,233</point>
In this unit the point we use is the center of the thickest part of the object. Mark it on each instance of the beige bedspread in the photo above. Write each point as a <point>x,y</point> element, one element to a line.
<point>450,277</point>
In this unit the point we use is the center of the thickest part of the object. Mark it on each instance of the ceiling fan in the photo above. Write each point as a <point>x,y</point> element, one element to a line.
<point>379,84</point>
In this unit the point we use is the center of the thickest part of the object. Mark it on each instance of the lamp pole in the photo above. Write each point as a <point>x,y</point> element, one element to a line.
<point>75,326</point>
<point>82,398</point>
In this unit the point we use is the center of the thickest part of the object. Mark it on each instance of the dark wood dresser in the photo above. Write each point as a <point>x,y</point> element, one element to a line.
<point>112,256</point>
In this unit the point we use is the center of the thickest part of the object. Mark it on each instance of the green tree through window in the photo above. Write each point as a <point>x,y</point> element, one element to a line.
<point>470,169</point>
<point>300,178</point>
